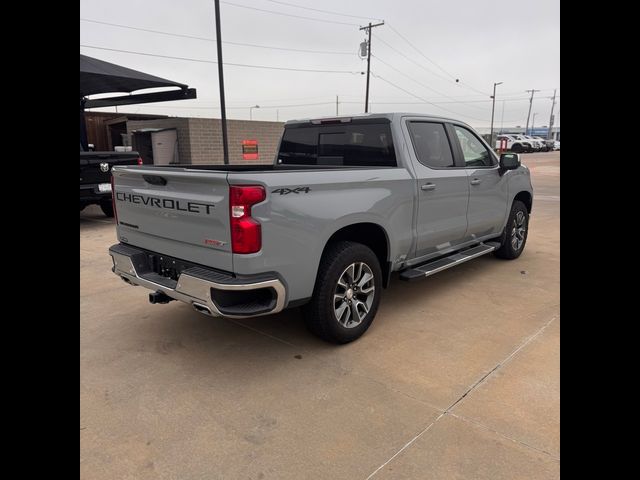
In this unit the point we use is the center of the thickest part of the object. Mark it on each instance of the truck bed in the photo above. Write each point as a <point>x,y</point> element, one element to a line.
<point>260,167</point>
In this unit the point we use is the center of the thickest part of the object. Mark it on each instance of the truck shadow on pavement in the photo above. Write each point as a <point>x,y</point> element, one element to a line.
<point>400,301</point>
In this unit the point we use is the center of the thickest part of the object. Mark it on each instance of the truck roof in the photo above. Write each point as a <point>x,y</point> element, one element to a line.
<point>389,116</point>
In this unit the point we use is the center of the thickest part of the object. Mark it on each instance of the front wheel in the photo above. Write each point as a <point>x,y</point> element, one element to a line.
<point>347,293</point>
<point>515,232</point>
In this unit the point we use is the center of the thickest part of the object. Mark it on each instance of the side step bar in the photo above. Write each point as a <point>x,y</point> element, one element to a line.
<point>435,266</point>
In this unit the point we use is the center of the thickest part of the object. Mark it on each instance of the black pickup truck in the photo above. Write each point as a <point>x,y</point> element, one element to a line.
<point>95,176</point>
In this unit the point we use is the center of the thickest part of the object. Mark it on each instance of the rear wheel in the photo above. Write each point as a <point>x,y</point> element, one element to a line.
<point>347,293</point>
<point>514,236</point>
<point>517,148</point>
<point>107,208</point>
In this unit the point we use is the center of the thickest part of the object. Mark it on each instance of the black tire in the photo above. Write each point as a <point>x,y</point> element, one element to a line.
<point>107,208</point>
<point>509,248</point>
<point>517,148</point>
<point>320,313</point>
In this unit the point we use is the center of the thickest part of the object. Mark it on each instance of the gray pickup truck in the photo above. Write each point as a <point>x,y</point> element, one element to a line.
<point>347,201</point>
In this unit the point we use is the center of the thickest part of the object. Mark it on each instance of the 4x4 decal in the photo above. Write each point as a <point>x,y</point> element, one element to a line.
<point>286,191</point>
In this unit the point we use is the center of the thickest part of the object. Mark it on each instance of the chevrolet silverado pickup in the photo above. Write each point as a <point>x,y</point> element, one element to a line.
<point>346,202</point>
<point>95,176</point>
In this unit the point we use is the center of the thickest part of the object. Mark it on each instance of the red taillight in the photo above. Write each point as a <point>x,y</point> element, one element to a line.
<point>139,160</point>
<point>246,233</point>
<point>113,199</point>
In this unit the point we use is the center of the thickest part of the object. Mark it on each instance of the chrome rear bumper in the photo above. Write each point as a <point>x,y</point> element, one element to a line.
<point>199,286</point>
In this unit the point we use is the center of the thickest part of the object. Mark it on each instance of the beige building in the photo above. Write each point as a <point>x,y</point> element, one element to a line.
<point>199,140</point>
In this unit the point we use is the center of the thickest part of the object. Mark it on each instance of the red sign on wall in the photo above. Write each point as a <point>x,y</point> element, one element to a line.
<point>250,150</point>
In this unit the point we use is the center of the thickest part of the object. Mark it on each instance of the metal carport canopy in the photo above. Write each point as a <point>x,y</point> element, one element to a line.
<point>98,76</point>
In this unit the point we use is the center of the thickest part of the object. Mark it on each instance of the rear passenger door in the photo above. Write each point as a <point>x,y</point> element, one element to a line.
<point>442,187</point>
<point>487,187</point>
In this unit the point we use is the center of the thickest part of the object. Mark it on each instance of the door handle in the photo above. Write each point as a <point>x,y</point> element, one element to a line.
<point>428,186</point>
<point>476,181</point>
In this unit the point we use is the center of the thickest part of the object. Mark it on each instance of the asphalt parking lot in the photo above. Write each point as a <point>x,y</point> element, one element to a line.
<point>458,377</point>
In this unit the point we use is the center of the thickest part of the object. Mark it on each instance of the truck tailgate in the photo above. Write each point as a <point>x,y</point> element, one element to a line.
<point>180,213</point>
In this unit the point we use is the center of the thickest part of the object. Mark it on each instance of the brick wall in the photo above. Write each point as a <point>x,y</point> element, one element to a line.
<point>206,139</point>
<point>200,139</point>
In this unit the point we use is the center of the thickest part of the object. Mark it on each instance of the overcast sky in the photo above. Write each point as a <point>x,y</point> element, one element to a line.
<point>516,42</point>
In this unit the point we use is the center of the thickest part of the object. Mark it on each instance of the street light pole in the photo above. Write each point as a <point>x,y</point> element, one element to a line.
<point>493,107</point>
<point>225,144</point>
<point>251,111</point>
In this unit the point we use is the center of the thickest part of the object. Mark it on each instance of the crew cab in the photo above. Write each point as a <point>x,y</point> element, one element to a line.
<point>346,202</point>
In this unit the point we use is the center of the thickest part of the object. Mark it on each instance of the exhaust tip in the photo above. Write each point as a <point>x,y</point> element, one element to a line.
<point>159,297</point>
<point>198,307</point>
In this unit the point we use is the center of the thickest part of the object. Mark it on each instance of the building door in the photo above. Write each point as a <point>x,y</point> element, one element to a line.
<point>165,147</point>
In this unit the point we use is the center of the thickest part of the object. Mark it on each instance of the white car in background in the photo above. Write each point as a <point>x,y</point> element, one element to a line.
<point>537,144</point>
<point>514,144</point>
<point>556,145</point>
<point>547,145</point>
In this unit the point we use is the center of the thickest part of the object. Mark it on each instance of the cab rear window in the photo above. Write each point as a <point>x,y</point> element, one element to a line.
<point>354,145</point>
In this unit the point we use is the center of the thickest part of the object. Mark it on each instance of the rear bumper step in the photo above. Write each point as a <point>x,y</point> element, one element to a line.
<point>208,291</point>
<point>435,266</point>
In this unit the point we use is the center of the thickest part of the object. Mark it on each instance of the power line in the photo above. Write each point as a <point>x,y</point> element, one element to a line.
<point>289,14</point>
<point>434,63</point>
<point>463,97</point>
<point>416,81</point>
<point>439,103</point>
<point>410,59</point>
<point>422,99</point>
<point>195,107</point>
<point>420,52</point>
<point>322,11</point>
<point>224,63</point>
<point>207,39</point>
<point>399,102</point>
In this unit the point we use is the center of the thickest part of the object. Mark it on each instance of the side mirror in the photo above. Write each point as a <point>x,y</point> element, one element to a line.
<point>509,161</point>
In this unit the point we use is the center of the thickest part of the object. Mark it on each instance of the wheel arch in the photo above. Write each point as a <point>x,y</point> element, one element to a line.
<point>372,235</point>
<point>526,198</point>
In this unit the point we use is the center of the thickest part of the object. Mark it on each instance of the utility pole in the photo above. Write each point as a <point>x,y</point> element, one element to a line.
<point>493,106</point>
<point>551,119</point>
<point>368,29</point>
<point>336,105</point>
<point>225,144</point>
<point>526,130</point>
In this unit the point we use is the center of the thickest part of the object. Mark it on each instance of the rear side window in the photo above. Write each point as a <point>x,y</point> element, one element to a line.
<point>348,145</point>
<point>431,144</point>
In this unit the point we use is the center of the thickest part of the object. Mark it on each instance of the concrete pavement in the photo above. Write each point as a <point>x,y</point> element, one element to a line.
<point>458,377</point>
